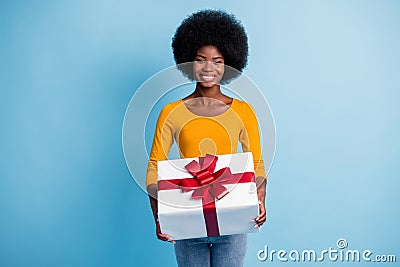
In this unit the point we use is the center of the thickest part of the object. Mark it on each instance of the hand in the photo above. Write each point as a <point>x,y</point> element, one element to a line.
<point>152,190</point>
<point>262,217</point>
<point>261,190</point>
<point>161,236</point>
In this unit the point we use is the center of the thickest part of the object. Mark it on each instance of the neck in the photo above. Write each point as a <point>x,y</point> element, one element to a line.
<point>210,92</point>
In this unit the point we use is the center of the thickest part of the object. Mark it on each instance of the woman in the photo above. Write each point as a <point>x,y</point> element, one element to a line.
<point>207,121</point>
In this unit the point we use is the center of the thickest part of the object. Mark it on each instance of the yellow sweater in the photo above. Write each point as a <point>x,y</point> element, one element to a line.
<point>198,135</point>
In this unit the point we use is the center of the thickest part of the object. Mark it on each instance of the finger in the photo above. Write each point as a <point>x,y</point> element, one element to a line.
<point>169,239</point>
<point>261,218</point>
<point>262,213</point>
<point>260,222</point>
<point>165,237</point>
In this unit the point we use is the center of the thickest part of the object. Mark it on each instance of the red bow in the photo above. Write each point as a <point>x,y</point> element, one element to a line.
<point>207,184</point>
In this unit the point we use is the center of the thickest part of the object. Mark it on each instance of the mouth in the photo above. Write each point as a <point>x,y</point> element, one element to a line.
<point>207,77</point>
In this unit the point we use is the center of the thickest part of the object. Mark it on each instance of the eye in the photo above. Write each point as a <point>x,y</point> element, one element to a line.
<point>218,62</point>
<point>200,61</point>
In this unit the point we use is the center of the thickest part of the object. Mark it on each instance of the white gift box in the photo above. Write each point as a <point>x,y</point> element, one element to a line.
<point>182,217</point>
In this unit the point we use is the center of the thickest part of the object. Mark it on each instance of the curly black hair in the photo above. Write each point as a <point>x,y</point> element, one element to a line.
<point>211,27</point>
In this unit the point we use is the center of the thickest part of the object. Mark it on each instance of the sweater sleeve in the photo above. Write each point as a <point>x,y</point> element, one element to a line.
<point>250,139</point>
<point>162,142</point>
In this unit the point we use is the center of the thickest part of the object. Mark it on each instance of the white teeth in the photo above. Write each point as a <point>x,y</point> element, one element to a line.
<point>208,77</point>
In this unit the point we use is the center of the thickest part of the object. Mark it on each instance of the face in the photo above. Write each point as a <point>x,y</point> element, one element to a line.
<point>208,66</point>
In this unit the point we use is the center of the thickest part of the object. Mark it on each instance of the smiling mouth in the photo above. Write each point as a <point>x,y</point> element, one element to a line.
<point>207,77</point>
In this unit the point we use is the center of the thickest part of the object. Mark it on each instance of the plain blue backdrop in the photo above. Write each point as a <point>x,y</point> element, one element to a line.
<point>68,69</point>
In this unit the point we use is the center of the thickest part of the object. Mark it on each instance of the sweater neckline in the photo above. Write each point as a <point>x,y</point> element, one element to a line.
<point>201,116</point>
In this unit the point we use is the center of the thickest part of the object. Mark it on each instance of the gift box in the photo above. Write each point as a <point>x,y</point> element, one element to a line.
<point>207,196</point>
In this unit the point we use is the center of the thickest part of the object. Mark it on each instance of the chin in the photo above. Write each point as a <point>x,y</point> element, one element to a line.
<point>208,84</point>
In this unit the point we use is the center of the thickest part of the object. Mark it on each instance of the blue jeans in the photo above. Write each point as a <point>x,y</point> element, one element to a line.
<point>218,251</point>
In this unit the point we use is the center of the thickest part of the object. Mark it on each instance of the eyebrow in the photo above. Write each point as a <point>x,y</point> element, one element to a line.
<point>206,57</point>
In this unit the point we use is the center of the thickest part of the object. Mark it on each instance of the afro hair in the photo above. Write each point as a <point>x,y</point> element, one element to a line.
<point>211,27</point>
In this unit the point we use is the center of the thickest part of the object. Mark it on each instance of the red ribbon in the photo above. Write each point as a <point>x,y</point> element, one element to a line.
<point>208,186</point>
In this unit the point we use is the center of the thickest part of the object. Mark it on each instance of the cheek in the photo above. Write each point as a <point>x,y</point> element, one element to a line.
<point>220,69</point>
<point>196,68</point>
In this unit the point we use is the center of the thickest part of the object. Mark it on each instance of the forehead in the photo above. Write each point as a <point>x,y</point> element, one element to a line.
<point>209,51</point>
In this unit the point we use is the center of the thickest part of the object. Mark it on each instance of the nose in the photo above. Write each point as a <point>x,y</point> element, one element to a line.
<point>208,66</point>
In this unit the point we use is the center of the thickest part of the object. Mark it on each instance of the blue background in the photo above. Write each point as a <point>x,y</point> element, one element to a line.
<point>68,69</point>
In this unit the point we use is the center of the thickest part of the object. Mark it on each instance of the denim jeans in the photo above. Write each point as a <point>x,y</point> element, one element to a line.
<point>218,251</point>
